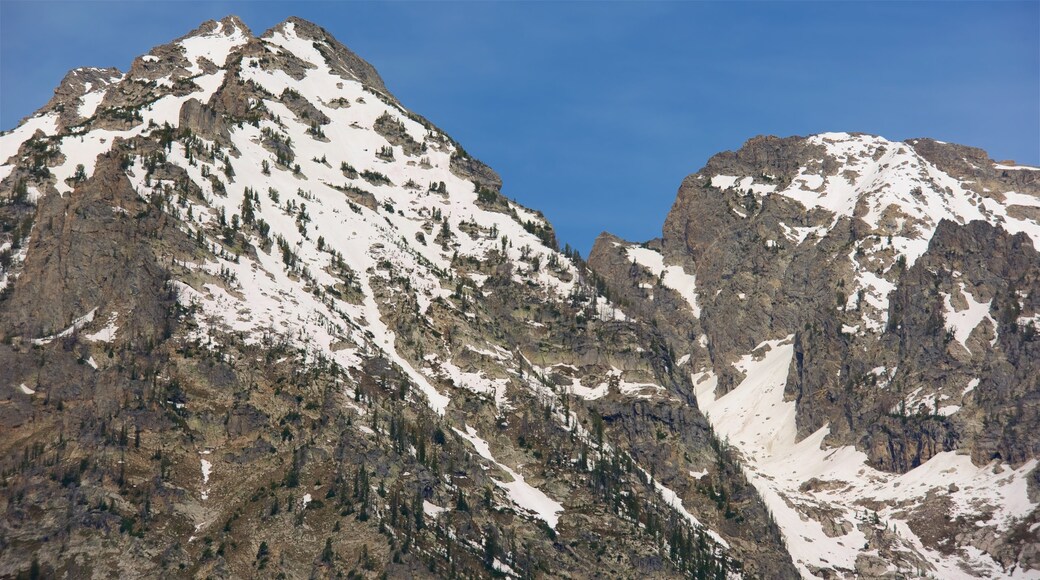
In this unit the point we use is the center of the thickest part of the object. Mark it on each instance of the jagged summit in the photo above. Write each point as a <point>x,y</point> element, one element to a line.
<point>230,25</point>
<point>76,97</point>
<point>198,56</point>
<point>340,58</point>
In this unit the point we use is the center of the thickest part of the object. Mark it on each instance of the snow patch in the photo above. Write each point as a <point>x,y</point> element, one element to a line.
<point>207,469</point>
<point>213,46</point>
<point>1016,167</point>
<point>89,103</point>
<point>76,325</point>
<point>523,494</point>
<point>106,334</point>
<point>432,510</point>
<point>963,322</point>
<point>674,277</point>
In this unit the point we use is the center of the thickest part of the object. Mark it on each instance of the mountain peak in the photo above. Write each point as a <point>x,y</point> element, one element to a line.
<point>300,27</point>
<point>339,58</point>
<point>234,22</point>
<point>88,78</point>
<point>228,26</point>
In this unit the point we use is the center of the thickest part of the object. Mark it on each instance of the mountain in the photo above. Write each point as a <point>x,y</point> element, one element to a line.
<point>859,318</point>
<point>258,319</point>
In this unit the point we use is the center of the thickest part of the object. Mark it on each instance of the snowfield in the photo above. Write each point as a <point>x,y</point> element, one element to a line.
<point>760,424</point>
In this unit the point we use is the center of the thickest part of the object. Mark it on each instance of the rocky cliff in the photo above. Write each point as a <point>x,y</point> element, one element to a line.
<point>859,319</point>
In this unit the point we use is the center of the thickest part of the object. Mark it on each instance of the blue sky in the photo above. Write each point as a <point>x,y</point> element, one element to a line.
<point>594,112</point>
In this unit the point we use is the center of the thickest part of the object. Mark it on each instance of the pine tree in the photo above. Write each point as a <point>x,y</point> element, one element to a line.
<point>327,554</point>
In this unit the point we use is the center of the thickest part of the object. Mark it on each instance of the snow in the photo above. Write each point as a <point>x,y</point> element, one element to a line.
<point>13,139</point>
<point>476,382</point>
<point>799,234</point>
<point>306,500</point>
<point>901,197</point>
<point>607,311</point>
<point>963,322</point>
<point>265,300</point>
<point>90,361</point>
<point>76,325</point>
<point>616,375</point>
<point>213,46</point>
<point>755,418</point>
<point>673,499</point>
<point>84,150</point>
<point>432,510</point>
<point>588,393</point>
<point>520,492</point>
<point>639,390</point>
<point>704,383</point>
<point>741,184</point>
<point>1016,167</point>
<point>498,353</point>
<point>674,277</point>
<point>724,181</point>
<point>26,389</point>
<point>526,215</point>
<point>503,567</point>
<point>875,298</point>
<point>106,334</point>
<point>890,174</point>
<point>89,103</point>
<point>207,469</point>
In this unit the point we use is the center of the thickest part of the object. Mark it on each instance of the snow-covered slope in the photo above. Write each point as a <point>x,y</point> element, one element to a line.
<point>306,205</point>
<point>858,318</point>
<point>899,195</point>
<point>330,222</point>
<point>830,503</point>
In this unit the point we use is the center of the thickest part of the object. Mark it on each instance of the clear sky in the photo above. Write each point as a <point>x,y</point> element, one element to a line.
<point>594,112</point>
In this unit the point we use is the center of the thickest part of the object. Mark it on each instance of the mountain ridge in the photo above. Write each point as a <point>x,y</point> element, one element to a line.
<point>259,318</point>
<point>335,347</point>
<point>886,283</point>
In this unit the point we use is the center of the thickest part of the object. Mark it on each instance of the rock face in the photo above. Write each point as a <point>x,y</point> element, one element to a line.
<point>76,98</point>
<point>203,120</point>
<point>258,319</point>
<point>81,246</point>
<point>880,296</point>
